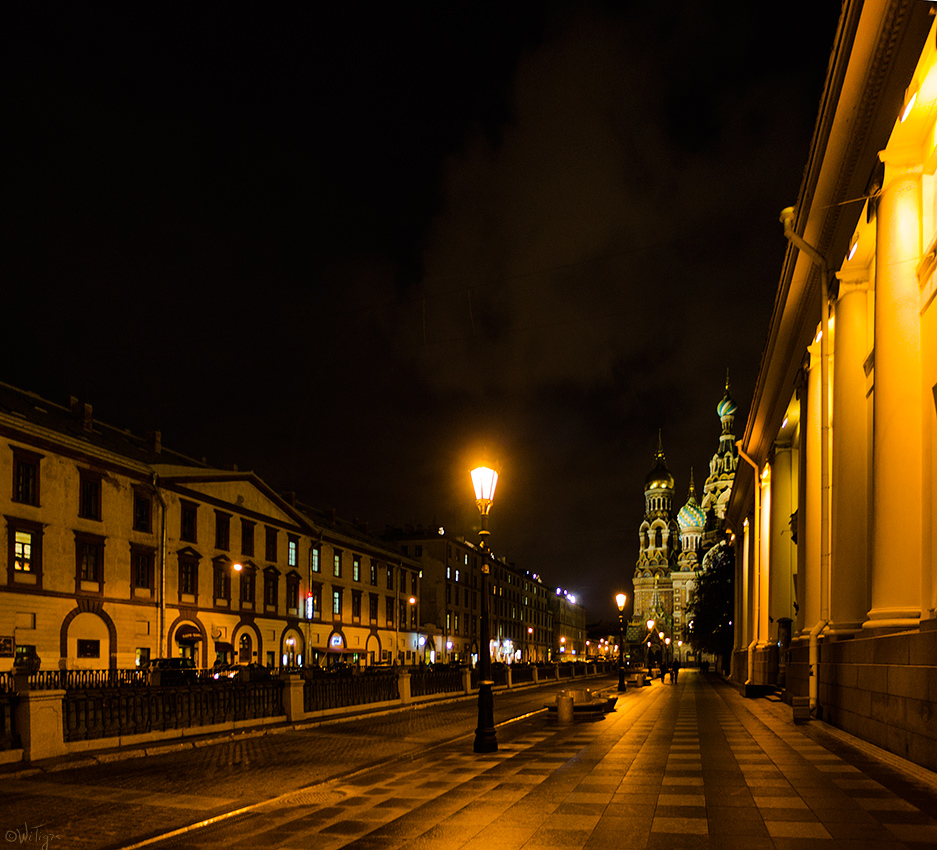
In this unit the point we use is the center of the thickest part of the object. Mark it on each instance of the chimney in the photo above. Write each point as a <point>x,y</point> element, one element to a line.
<point>156,441</point>
<point>81,411</point>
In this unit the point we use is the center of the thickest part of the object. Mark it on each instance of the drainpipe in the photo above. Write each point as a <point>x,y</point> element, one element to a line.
<point>787,217</point>
<point>161,565</point>
<point>756,562</point>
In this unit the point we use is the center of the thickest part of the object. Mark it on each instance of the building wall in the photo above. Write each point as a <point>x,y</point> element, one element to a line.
<point>834,516</point>
<point>132,518</point>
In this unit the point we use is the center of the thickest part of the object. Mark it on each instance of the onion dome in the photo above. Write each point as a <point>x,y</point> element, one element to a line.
<point>659,478</point>
<point>727,405</point>
<point>691,514</point>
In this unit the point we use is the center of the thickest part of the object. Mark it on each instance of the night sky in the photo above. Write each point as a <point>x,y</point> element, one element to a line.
<point>350,249</point>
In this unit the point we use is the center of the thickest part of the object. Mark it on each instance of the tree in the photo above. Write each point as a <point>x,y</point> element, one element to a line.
<point>710,611</point>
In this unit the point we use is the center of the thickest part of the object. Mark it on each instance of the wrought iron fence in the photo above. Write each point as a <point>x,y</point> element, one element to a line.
<point>427,682</point>
<point>324,692</point>
<point>565,671</point>
<point>521,673</point>
<point>8,737</point>
<point>107,712</point>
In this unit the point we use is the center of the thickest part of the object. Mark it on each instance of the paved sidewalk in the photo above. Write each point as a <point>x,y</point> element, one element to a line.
<point>687,766</point>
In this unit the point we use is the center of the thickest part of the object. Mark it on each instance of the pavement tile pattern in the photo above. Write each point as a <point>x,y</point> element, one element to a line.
<point>691,765</point>
<point>687,766</point>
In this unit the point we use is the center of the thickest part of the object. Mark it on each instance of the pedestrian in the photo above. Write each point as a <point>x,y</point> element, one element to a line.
<point>663,670</point>
<point>674,670</point>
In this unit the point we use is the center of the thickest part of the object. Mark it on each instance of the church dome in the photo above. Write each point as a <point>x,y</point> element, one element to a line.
<point>691,515</point>
<point>659,478</point>
<point>727,405</point>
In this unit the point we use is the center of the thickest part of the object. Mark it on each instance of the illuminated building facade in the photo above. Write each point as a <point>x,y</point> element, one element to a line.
<point>120,550</point>
<point>673,546</point>
<point>520,621</point>
<point>834,507</point>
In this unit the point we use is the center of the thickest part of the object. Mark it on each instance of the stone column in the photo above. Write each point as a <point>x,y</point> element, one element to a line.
<point>40,724</point>
<point>849,541</point>
<point>783,552</point>
<point>293,697</point>
<point>809,515</point>
<point>897,411</point>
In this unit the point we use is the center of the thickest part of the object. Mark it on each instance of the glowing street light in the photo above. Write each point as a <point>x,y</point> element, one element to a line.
<point>485,481</point>
<point>620,601</point>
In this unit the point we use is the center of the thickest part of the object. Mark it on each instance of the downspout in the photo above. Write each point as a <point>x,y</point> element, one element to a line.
<point>756,562</point>
<point>787,217</point>
<point>161,563</point>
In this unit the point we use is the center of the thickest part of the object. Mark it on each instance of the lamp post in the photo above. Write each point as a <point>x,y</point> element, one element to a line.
<point>485,480</point>
<point>620,600</point>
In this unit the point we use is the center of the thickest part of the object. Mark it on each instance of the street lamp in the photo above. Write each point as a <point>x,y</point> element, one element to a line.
<point>485,481</point>
<point>620,600</point>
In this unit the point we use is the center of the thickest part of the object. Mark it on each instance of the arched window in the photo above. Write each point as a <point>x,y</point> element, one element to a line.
<point>658,538</point>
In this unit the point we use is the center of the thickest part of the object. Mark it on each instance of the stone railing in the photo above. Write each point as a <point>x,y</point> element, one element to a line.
<point>56,712</point>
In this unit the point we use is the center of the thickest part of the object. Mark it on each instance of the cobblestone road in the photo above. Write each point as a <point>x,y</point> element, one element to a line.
<point>104,805</point>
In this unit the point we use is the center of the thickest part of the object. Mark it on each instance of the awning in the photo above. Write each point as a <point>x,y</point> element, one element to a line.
<point>222,646</point>
<point>188,634</point>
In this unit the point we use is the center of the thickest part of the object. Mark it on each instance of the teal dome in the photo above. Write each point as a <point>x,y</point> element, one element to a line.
<point>691,515</point>
<point>727,406</point>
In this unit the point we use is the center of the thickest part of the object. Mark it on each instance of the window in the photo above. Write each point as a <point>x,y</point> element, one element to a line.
<point>271,588</point>
<point>142,563</point>
<point>314,559</point>
<point>337,564</point>
<point>142,656</point>
<point>247,538</point>
<point>142,512</point>
<point>356,568</point>
<point>89,494</point>
<point>455,595</point>
<point>26,477</point>
<point>222,581</point>
<point>373,574</point>
<point>413,588</point>
<point>390,578</point>
<point>271,544</point>
<point>456,622</point>
<point>448,593</point>
<point>356,605</point>
<point>372,607</point>
<point>24,552</point>
<point>188,575</point>
<point>316,601</point>
<point>337,602</point>
<point>292,592</point>
<point>456,575</point>
<point>413,616</point>
<point>247,585</point>
<point>89,648</point>
<point>189,526</point>
<point>292,551</point>
<point>222,530</point>
<point>89,555</point>
<point>389,610</point>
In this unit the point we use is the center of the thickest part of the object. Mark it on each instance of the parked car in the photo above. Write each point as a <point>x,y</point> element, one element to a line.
<point>250,672</point>
<point>172,671</point>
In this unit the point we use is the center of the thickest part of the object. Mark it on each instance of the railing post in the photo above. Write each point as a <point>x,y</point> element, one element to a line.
<point>535,674</point>
<point>466,680</point>
<point>39,723</point>
<point>403,684</point>
<point>293,697</point>
<point>508,676</point>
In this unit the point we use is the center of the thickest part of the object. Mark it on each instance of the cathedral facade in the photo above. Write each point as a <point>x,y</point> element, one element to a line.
<point>673,545</point>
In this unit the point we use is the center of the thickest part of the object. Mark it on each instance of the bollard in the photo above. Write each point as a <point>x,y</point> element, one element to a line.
<point>564,708</point>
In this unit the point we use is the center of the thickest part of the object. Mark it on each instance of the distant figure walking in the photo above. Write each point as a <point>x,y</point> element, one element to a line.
<point>663,670</point>
<point>674,670</point>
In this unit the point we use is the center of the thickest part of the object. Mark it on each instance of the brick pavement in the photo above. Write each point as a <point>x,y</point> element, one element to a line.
<point>686,766</point>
